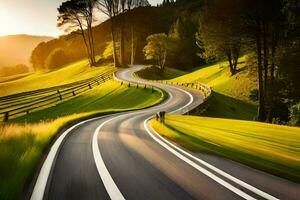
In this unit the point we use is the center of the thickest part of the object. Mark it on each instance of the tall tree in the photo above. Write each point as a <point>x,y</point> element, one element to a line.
<point>220,30</point>
<point>127,5</point>
<point>77,16</point>
<point>111,8</point>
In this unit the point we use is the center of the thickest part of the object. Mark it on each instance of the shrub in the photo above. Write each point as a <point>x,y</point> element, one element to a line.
<point>57,58</point>
<point>295,115</point>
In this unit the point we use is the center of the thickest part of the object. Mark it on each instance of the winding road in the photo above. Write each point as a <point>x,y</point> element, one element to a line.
<point>120,156</point>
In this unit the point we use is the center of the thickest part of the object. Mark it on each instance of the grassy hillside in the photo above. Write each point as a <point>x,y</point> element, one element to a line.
<point>73,72</point>
<point>22,144</point>
<point>218,77</point>
<point>231,93</point>
<point>105,97</point>
<point>268,147</point>
<point>20,48</point>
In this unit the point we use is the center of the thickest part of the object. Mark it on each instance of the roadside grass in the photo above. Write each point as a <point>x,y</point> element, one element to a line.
<point>70,73</point>
<point>23,144</point>
<point>271,148</point>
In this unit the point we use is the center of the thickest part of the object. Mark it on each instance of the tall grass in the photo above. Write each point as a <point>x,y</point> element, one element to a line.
<point>21,147</point>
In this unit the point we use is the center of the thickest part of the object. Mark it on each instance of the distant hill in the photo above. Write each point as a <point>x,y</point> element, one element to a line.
<point>16,49</point>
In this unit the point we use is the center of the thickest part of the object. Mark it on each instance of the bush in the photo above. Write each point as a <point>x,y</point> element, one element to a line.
<point>295,115</point>
<point>57,58</point>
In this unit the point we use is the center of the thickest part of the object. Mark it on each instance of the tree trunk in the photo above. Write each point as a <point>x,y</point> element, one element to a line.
<point>132,46</point>
<point>261,106</point>
<point>116,60</point>
<point>85,42</point>
<point>229,58</point>
<point>266,63</point>
<point>122,44</point>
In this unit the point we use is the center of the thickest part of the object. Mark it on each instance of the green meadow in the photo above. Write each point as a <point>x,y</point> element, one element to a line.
<point>268,147</point>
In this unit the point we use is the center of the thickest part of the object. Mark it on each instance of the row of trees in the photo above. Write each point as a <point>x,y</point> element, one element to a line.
<point>231,28</point>
<point>77,16</point>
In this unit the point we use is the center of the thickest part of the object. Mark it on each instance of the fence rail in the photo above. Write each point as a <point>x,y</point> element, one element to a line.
<point>26,102</point>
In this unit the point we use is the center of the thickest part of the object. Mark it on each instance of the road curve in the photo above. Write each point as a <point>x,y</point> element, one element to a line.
<point>120,156</point>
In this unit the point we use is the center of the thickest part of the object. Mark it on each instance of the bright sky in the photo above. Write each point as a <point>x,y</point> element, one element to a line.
<point>34,17</point>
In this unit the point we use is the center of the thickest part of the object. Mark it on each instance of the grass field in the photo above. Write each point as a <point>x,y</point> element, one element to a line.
<point>73,72</point>
<point>109,96</point>
<point>268,147</point>
<point>22,144</point>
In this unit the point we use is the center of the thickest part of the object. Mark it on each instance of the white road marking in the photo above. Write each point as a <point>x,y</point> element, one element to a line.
<point>41,182</point>
<point>111,188</point>
<point>228,176</point>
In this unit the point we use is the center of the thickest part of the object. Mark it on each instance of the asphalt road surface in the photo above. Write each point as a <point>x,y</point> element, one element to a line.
<point>121,157</point>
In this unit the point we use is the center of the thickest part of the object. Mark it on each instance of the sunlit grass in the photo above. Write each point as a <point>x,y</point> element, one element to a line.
<point>109,96</point>
<point>76,71</point>
<point>219,78</point>
<point>273,148</point>
<point>23,144</point>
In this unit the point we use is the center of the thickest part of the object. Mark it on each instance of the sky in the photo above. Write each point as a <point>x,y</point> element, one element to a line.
<point>32,17</point>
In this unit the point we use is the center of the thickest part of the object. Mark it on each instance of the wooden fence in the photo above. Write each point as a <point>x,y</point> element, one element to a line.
<point>23,103</point>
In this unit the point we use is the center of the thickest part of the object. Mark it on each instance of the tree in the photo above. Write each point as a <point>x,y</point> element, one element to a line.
<point>127,5</point>
<point>57,58</point>
<point>220,31</point>
<point>111,8</point>
<point>157,48</point>
<point>78,14</point>
<point>264,22</point>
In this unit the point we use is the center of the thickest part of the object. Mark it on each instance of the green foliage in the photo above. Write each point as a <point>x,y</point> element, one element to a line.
<point>295,114</point>
<point>109,50</point>
<point>158,47</point>
<point>56,59</point>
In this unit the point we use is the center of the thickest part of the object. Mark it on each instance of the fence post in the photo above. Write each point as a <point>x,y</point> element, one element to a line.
<point>145,86</point>
<point>73,93</point>
<point>27,112</point>
<point>58,92</point>
<point>90,86</point>
<point>6,117</point>
<point>122,83</point>
<point>60,97</point>
<point>129,85</point>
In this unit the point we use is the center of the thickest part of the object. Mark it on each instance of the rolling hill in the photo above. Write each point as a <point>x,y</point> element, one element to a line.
<point>20,48</point>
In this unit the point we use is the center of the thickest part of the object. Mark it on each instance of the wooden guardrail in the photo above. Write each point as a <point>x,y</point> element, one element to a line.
<point>26,102</point>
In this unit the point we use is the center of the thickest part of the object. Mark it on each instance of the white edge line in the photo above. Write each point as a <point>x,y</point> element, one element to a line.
<point>109,184</point>
<point>193,164</point>
<point>41,182</point>
<point>230,177</point>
